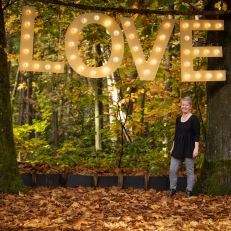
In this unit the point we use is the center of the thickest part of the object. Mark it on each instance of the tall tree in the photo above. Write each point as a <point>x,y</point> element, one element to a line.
<point>10,178</point>
<point>215,177</point>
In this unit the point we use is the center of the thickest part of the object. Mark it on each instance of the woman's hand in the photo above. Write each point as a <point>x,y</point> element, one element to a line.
<point>195,154</point>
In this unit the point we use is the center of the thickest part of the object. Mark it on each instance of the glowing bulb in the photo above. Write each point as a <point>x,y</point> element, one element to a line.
<point>216,52</point>
<point>36,66</point>
<point>71,44</point>
<point>153,61</point>
<point>116,32</point>
<point>81,68</point>
<point>57,67</point>
<point>185,25</point>
<point>74,30</point>
<point>96,17</point>
<point>146,72</point>
<point>73,57</point>
<point>139,61</point>
<point>84,20</point>
<point>158,49</point>
<point>27,36</point>
<point>206,52</point>
<point>186,38</point>
<point>25,64</point>
<point>187,76</point>
<point>167,25</point>
<point>28,12</point>
<point>162,37</point>
<point>218,25</point>
<point>198,76</point>
<point>127,23</point>
<point>48,66</point>
<point>219,75</point>
<point>115,59</point>
<point>118,46</point>
<point>26,51</point>
<point>196,52</point>
<point>108,23</point>
<point>27,24</point>
<point>197,25</point>
<point>135,48</point>
<point>106,70</point>
<point>131,36</point>
<point>207,25</point>
<point>93,72</point>
<point>208,76</point>
<point>186,52</point>
<point>187,64</point>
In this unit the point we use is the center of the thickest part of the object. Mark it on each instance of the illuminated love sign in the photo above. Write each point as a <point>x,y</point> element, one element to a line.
<point>146,69</point>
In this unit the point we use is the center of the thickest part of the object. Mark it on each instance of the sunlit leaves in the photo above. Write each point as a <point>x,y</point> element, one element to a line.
<point>221,5</point>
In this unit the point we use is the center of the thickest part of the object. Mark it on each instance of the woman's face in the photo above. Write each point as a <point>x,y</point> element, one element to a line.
<point>186,107</point>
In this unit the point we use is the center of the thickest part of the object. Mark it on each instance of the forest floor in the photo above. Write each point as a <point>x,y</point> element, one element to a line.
<point>105,209</point>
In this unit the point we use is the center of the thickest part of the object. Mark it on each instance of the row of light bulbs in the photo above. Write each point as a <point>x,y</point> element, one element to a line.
<point>147,69</point>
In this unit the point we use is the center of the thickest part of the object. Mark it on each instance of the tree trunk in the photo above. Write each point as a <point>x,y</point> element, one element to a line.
<point>215,177</point>
<point>10,178</point>
<point>98,105</point>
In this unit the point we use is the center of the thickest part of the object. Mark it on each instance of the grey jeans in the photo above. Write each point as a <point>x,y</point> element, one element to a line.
<point>175,163</point>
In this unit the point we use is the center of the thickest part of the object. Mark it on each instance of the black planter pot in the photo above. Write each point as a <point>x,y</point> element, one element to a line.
<point>133,181</point>
<point>48,180</point>
<point>107,181</point>
<point>27,179</point>
<point>160,183</point>
<point>79,180</point>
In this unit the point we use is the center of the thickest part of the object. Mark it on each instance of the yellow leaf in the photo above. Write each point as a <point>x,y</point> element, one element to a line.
<point>224,6</point>
<point>218,5</point>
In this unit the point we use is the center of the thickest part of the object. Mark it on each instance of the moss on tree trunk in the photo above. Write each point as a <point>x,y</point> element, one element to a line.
<point>10,178</point>
<point>215,177</point>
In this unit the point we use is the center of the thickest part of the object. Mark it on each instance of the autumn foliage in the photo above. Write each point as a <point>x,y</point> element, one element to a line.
<point>112,209</point>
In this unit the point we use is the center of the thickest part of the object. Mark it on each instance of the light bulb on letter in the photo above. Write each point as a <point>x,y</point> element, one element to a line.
<point>48,66</point>
<point>127,23</point>
<point>115,59</point>
<point>74,30</point>
<point>185,25</point>
<point>219,75</point>
<point>84,20</point>
<point>108,23</point>
<point>96,17</point>
<point>81,68</point>
<point>116,32</point>
<point>27,36</point>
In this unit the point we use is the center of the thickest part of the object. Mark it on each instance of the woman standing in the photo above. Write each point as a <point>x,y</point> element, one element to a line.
<point>185,146</point>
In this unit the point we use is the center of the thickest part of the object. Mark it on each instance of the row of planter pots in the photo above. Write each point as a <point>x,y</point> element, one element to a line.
<point>158,183</point>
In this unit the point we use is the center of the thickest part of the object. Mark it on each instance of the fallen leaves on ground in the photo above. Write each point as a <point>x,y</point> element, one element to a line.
<point>112,209</point>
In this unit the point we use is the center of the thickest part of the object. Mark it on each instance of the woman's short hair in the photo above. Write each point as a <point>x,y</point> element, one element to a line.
<point>188,99</point>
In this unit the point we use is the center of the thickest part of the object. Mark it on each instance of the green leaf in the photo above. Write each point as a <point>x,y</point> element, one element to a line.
<point>183,8</point>
<point>166,2</point>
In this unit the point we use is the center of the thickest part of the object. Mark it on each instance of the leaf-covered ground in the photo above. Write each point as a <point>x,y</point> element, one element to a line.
<point>112,209</point>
